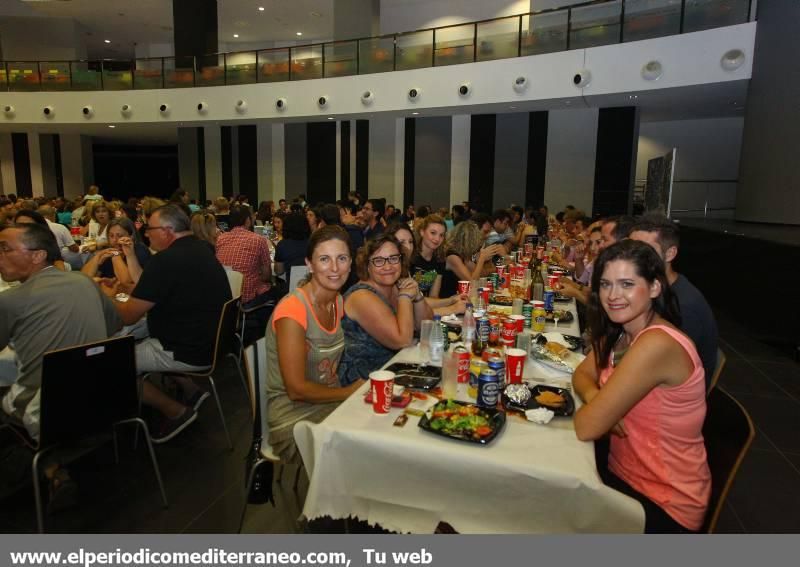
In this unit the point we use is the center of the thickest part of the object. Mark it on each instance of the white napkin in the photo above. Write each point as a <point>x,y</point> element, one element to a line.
<point>542,416</point>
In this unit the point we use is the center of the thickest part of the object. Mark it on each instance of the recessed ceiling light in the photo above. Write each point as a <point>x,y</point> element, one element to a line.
<point>111,126</point>
<point>261,8</point>
<point>299,33</point>
<point>107,40</point>
<point>415,113</point>
<point>330,117</point>
<point>236,35</point>
<point>633,97</point>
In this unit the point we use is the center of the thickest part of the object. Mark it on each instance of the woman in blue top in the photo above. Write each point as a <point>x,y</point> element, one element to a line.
<point>381,311</point>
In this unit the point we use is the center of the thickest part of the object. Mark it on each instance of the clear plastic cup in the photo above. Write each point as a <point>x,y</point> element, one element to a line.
<point>425,328</point>
<point>449,376</point>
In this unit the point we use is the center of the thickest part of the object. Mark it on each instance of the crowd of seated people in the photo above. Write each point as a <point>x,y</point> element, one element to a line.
<point>374,272</point>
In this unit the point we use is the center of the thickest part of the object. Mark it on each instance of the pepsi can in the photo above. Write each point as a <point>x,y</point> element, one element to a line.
<point>488,388</point>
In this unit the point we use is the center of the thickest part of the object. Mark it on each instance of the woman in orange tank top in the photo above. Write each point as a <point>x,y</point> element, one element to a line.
<point>652,401</point>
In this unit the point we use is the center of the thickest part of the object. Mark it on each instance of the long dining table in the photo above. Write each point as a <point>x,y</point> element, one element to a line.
<point>531,479</point>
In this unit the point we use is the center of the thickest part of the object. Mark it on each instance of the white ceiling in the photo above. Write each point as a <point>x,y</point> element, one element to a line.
<point>127,23</point>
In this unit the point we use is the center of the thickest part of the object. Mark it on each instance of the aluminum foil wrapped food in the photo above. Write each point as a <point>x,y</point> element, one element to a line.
<point>518,393</point>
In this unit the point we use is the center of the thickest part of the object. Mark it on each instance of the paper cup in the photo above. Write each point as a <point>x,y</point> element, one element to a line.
<point>515,364</point>
<point>463,287</point>
<point>382,384</point>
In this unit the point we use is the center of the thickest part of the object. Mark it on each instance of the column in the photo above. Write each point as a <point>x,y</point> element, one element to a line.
<point>459,159</point>
<point>264,157</point>
<point>212,147</point>
<point>35,160</point>
<point>571,157</point>
<point>77,164</point>
<point>189,164</point>
<point>510,160</point>
<point>7,164</point>
<point>278,168</point>
<point>615,170</point>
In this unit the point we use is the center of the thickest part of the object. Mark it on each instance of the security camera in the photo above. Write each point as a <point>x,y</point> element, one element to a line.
<point>281,104</point>
<point>88,111</point>
<point>652,70</point>
<point>49,111</point>
<point>367,97</point>
<point>202,107</point>
<point>464,89</point>
<point>126,110</point>
<point>241,106</point>
<point>322,101</point>
<point>520,84</point>
<point>413,94</point>
<point>8,110</point>
<point>582,78</point>
<point>164,108</point>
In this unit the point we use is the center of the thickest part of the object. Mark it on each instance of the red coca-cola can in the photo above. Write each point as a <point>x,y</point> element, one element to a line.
<point>509,337</point>
<point>462,358</point>
<point>484,291</point>
<point>519,272</point>
<point>520,321</point>
<point>463,287</point>
<point>494,329</point>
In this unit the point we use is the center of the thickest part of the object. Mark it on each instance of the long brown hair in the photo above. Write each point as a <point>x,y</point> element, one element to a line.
<point>438,254</point>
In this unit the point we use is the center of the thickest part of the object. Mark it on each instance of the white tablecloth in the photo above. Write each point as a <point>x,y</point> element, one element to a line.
<point>531,479</point>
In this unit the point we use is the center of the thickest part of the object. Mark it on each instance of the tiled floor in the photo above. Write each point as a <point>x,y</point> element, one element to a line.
<point>204,480</point>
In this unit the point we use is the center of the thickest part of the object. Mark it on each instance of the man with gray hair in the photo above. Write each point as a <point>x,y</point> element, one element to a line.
<point>182,290</point>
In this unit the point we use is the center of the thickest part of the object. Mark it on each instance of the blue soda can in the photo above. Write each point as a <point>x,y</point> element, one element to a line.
<point>549,298</point>
<point>488,388</point>
<point>482,331</point>
<point>497,364</point>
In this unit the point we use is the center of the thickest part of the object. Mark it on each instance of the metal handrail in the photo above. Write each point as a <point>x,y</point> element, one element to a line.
<point>360,68</point>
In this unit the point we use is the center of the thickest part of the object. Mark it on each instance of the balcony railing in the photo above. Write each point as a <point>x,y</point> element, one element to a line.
<point>589,24</point>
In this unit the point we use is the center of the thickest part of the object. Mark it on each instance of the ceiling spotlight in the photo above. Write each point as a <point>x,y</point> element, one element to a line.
<point>236,35</point>
<point>107,40</point>
<point>633,97</point>
<point>330,117</point>
<point>111,126</point>
<point>299,33</point>
<point>261,8</point>
<point>415,113</point>
<point>732,59</point>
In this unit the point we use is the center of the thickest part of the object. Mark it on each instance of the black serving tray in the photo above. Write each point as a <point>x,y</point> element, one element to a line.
<point>496,418</point>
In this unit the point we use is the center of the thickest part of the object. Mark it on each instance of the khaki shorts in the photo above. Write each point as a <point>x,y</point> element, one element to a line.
<point>151,357</point>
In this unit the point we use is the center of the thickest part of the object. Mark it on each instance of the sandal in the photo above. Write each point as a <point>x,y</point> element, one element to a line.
<point>63,492</point>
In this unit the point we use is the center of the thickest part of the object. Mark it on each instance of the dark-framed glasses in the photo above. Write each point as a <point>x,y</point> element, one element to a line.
<point>380,261</point>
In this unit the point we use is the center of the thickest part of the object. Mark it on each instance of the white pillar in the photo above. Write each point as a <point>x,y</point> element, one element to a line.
<point>7,164</point>
<point>35,157</point>
<point>77,164</point>
<point>212,148</point>
<point>278,163</point>
<point>459,159</point>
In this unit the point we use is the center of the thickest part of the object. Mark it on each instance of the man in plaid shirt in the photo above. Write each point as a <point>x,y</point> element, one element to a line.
<point>248,253</point>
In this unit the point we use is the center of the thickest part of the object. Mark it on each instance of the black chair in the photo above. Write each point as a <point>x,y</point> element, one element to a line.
<point>225,346</point>
<point>86,391</point>
<point>728,432</point>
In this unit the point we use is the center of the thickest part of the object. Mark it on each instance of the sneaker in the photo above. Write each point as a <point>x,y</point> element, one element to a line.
<point>171,427</point>
<point>197,399</point>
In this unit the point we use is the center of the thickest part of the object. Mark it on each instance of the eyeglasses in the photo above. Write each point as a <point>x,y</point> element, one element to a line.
<point>149,228</point>
<point>380,261</point>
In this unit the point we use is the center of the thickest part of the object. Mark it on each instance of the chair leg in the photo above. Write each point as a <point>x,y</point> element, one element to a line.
<point>156,469</point>
<point>221,415</point>
<point>247,488</point>
<point>37,491</point>
<point>139,411</point>
<point>241,374</point>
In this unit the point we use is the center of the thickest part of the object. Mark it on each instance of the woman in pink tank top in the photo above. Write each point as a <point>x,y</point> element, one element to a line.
<point>652,400</point>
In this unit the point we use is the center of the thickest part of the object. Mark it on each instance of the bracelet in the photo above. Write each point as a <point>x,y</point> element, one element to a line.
<point>409,297</point>
<point>419,297</point>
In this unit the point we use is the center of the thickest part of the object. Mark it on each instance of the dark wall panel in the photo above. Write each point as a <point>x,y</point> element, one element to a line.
<point>201,166</point>
<point>362,158</point>
<point>481,161</point>
<point>433,153</point>
<point>408,161</point>
<point>344,158</point>
<point>57,160</point>
<point>537,158</point>
<point>615,165</point>
<point>248,163</point>
<point>135,171</point>
<point>321,162</point>
<point>226,149</point>
<point>195,28</point>
<point>22,165</point>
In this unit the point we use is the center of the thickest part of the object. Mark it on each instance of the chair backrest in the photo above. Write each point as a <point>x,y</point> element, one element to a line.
<point>717,370</point>
<point>235,279</point>
<point>728,432</point>
<point>255,357</point>
<point>226,331</point>
<point>86,388</point>
<point>296,275</point>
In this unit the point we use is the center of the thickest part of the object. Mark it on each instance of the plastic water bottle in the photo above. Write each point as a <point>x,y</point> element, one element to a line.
<point>468,328</point>
<point>437,340</point>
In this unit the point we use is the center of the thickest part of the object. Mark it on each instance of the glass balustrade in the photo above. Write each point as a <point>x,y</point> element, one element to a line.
<point>546,31</point>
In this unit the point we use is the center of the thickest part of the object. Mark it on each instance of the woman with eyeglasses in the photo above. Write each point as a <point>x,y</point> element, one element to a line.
<point>381,311</point>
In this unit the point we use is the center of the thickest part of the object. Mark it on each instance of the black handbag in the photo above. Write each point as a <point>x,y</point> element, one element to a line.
<point>257,470</point>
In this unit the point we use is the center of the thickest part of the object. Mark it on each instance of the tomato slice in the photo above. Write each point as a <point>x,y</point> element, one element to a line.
<point>483,430</point>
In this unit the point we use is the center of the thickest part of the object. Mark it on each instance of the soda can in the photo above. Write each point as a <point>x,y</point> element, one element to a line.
<point>489,353</point>
<point>488,388</point>
<point>519,272</point>
<point>463,287</point>
<point>527,312</point>
<point>484,291</point>
<point>494,329</point>
<point>509,337</point>
<point>476,366</point>
<point>483,329</point>
<point>491,283</point>
<point>528,248</point>
<point>498,364</point>
<point>462,358</point>
<point>549,298</point>
<point>552,281</point>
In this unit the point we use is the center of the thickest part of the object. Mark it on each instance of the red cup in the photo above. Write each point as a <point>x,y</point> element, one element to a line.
<point>463,287</point>
<point>515,364</point>
<point>520,321</point>
<point>382,384</point>
<point>552,281</point>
